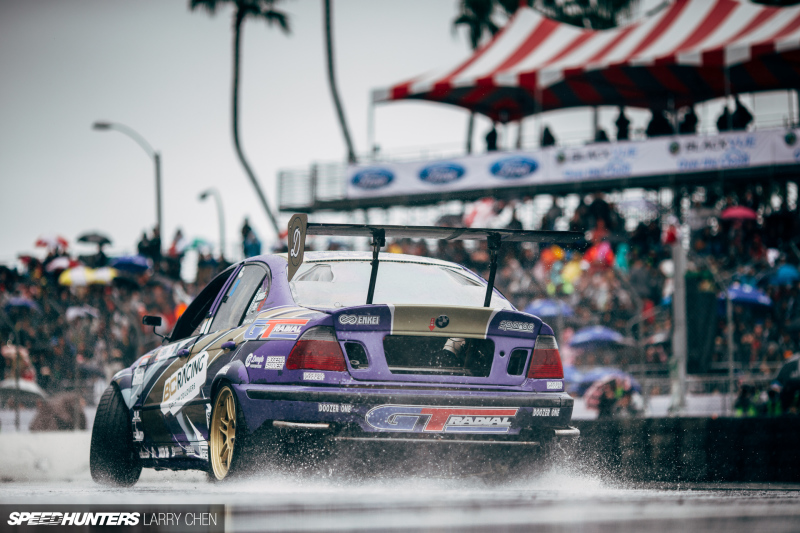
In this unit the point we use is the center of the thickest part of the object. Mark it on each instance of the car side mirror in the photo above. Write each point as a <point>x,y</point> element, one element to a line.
<point>183,352</point>
<point>155,321</point>
<point>150,320</point>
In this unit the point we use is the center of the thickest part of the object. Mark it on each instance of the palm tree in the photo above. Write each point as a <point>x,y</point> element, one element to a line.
<point>243,9</point>
<point>351,155</point>
<point>476,15</point>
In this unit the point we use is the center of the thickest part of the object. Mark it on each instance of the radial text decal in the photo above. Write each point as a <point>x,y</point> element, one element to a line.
<point>419,419</point>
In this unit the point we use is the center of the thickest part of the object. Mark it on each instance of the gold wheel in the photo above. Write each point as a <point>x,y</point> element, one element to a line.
<point>223,433</point>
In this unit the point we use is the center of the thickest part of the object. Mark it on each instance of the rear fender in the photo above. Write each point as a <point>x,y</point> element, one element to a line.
<point>234,373</point>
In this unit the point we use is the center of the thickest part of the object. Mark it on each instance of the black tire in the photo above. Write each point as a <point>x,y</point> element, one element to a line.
<point>112,459</point>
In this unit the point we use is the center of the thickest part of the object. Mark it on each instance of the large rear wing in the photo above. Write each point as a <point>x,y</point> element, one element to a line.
<point>299,227</point>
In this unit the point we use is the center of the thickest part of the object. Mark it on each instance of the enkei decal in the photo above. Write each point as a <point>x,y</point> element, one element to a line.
<point>510,325</point>
<point>545,411</point>
<point>554,385</point>
<point>422,419</point>
<point>313,376</point>
<point>274,362</point>
<point>185,383</point>
<point>276,328</point>
<point>359,320</point>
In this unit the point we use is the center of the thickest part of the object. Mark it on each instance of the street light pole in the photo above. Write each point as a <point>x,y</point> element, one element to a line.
<point>220,215</point>
<point>155,156</point>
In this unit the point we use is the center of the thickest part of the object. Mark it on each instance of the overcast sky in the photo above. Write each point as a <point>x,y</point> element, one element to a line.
<point>166,72</point>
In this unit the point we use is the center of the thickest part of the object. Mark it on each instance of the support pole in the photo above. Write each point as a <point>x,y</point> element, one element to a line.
<point>378,242</point>
<point>494,246</point>
<point>679,336</point>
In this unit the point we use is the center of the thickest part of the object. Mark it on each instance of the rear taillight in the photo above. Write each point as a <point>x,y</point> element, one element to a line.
<point>546,361</point>
<point>317,349</point>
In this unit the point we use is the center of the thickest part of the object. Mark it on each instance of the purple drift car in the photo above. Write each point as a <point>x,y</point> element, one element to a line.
<point>356,348</point>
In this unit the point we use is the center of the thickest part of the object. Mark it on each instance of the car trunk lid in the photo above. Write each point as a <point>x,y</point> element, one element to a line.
<point>437,344</point>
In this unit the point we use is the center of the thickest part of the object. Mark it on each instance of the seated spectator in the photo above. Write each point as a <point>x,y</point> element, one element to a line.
<point>659,125</point>
<point>547,137</point>
<point>601,136</point>
<point>689,123</point>
<point>623,125</point>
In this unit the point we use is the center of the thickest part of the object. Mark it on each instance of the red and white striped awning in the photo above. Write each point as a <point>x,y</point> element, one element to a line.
<point>681,53</point>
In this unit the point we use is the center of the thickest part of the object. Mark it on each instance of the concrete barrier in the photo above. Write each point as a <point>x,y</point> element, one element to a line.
<point>693,449</point>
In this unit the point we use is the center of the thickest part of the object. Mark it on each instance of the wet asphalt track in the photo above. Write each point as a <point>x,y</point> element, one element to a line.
<point>552,501</point>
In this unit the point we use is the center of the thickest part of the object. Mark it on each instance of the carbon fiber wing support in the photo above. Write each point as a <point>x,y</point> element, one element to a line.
<point>299,228</point>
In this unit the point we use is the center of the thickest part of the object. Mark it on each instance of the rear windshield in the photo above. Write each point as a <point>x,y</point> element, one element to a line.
<point>345,284</point>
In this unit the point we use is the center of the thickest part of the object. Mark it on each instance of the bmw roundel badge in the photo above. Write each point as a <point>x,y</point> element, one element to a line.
<point>442,321</point>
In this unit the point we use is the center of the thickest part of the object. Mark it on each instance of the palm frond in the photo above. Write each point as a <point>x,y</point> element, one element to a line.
<point>208,5</point>
<point>277,17</point>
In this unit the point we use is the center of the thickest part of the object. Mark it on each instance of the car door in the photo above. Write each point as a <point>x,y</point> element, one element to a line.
<point>185,402</point>
<point>190,327</point>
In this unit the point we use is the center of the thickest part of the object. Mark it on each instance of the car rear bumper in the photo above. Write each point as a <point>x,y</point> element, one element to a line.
<point>372,413</point>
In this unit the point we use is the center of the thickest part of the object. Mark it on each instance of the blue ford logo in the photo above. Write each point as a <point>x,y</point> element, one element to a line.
<point>441,173</point>
<point>513,168</point>
<point>372,178</point>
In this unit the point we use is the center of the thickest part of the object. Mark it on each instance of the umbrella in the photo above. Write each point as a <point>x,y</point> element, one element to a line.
<point>785,275</point>
<point>22,303</point>
<point>61,263</point>
<point>27,394</point>
<point>52,241</point>
<point>135,264</point>
<point>94,238</point>
<point>84,311</point>
<point>623,379</point>
<point>600,253</point>
<point>595,335</point>
<point>739,212</point>
<point>81,276</point>
<point>548,308</point>
<point>747,295</point>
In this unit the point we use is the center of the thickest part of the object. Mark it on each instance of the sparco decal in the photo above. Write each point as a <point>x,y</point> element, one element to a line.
<point>359,320</point>
<point>422,419</point>
<point>514,168</point>
<point>510,325</point>
<point>442,173</point>
<point>185,383</point>
<point>277,328</point>
<point>372,178</point>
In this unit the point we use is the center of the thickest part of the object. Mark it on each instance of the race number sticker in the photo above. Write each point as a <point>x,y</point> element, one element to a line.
<point>185,383</point>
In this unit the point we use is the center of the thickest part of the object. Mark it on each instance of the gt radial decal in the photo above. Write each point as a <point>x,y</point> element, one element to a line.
<point>185,383</point>
<point>275,328</point>
<point>423,419</point>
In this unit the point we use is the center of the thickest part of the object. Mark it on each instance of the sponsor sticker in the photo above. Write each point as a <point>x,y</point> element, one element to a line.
<point>554,385</point>
<point>138,436</point>
<point>185,383</point>
<point>545,411</point>
<point>138,377</point>
<point>422,419</point>
<point>274,362</point>
<point>253,361</point>
<point>334,408</point>
<point>359,320</point>
<point>511,325</point>
<point>275,329</point>
<point>313,376</point>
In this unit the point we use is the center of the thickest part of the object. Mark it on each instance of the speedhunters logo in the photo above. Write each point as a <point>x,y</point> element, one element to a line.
<point>442,173</point>
<point>514,168</point>
<point>372,178</point>
<point>423,419</point>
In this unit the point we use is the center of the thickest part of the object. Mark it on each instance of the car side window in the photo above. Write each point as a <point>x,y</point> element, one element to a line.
<point>194,317</point>
<point>257,301</point>
<point>241,293</point>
